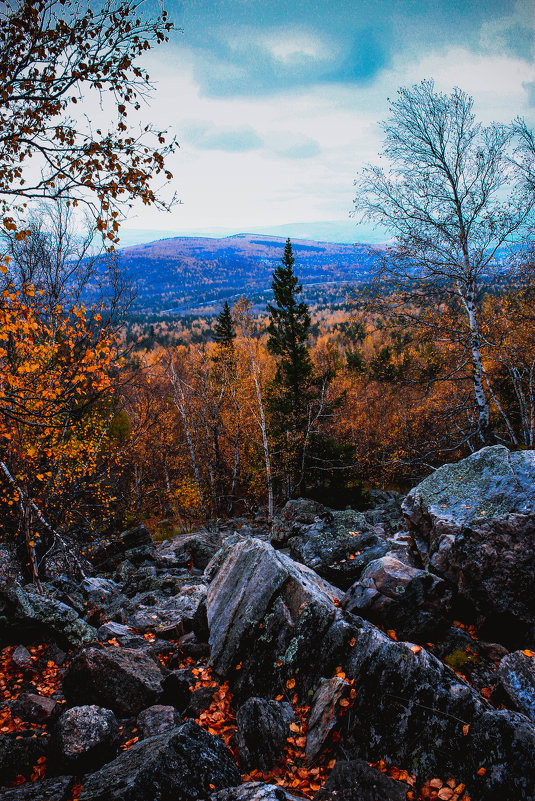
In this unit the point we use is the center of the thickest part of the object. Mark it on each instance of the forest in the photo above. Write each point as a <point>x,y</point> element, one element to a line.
<point>279,550</point>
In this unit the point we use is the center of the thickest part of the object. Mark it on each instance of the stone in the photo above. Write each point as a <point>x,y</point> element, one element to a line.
<point>414,603</point>
<point>34,708</point>
<point>57,789</point>
<point>19,752</point>
<point>255,791</point>
<point>121,679</point>
<point>84,738</point>
<point>335,544</point>
<point>124,635</point>
<point>516,673</point>
<point>473,523</point>
<point>22,658</point>
<point>324,711</point>
<point>355,780</point>
<point>168,616</point>
<point>268,614</point>
<point>157,719</point>
<point>176,688</point>
<point>262,729</point>
<point>40,617</point>
<point>183,764</point>
<point>199,700</point>
<point>194,549</point>
<point>134,545</point>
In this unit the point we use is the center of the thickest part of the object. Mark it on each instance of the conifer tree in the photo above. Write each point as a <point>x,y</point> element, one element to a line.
<point>293,386</point>
<point>224,333</point>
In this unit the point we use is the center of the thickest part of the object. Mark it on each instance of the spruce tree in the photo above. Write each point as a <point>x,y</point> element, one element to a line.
<point>224,332</point>
<point>293,386</point>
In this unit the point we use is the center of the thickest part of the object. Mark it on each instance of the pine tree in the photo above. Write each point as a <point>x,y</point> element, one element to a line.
<point>292,388</point>
<point>224,332</point>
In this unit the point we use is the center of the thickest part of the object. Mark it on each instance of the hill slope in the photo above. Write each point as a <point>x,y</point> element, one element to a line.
<point>186,272</point>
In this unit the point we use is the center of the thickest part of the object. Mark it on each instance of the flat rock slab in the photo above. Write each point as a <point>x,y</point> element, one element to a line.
<point>184,764</point>
<point>255,791</point>
<point>323,715</point>
<point>516,672</point>
<point>121,679</point>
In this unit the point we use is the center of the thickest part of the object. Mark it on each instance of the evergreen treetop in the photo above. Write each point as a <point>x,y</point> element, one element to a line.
<point>224,331</point>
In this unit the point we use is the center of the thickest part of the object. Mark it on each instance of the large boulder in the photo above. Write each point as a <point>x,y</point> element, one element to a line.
<point>349,781</point>
<point>473,522</point>
<point>413,602</point>
<point>183,764</point>
<point>275,626</point>
<point>255,791</point>
<point>262,729</point>
<point>121,679</point>
<point>84,738</point>
<point>57,789</point>
<point>19,754</point>
<point>267,614</point>
<point>29,614</point>
<point>187,550</point>
<point>135,545</point>
<point>335,544</point>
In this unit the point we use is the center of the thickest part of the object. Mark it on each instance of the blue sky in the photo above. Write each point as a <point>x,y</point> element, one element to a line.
<point>277,106</point>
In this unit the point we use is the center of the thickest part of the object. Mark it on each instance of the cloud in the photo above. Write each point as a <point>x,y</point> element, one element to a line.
<point>293,145</point>
<point>207,136</point>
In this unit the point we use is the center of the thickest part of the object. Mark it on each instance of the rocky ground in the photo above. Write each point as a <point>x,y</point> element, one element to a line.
<point>342,656</point>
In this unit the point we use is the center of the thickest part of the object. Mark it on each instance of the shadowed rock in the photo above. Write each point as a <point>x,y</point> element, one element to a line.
<point>263,727</point>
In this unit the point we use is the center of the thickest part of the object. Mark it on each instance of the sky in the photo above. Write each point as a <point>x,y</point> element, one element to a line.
<point>277,106</point>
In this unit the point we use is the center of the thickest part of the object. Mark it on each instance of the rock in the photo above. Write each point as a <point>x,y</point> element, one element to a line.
<point>384,508</point>
<point>40,617</point>
<point>189,549</point>
<point>84,738</point>
<point>183,764</point>
<point>262,729</point>
<point>22,658</point>
<point>176,688</point>
<point>135,545</point>
<point>473,522</point>
<point>10,565</point>
<point>121,679</point>
<point>357,781</point>
<point>19,752</point>
<point>124,635</point>
<point>169,617</point>
<point>100,591</point>
<point>157,719</point>
<point>35,708</point>
<point>415,603</point>
<point>269,614</point>
<point>336,544</point>
<point>323,717</point>
<point>199,700</point>
<point>254,791</point>
<point>278,622</point>
<point>57,789</point>
<point>468,656</point>
<point>516,672</point>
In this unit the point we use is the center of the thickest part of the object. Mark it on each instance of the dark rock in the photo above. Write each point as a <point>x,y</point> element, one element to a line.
<point>123,634</point>
<point>19,752</point>
<point>84,738</point>
<point>35,708</point>
<point>22,658</point>
<point>199,700</point>
<point>324,711</point>
<point>184,764</point>
<point>176,688</point>
<point>468,656</point>
<point>189,549</point>
<point>384,508</point>
<point>262,729</point>
<point>135,545</point>
<point>157,719</point>
<point>357,781</point>
<point>57,789</point>
<point>170,616</point>
<point>270,614</point>
<point>100,590</point>
<point>473,522</point>
<point>276,620</point>
<point>415,603</point>
<point>120,679</point>
<point>336,544</point>
<point>10,565</point>
<point>254,791</point>
<point>55,654</point>
<point>40,617</point>
<point>516,672</point>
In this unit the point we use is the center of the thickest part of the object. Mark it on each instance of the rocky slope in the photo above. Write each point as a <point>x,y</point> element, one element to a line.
<point>321,656</point>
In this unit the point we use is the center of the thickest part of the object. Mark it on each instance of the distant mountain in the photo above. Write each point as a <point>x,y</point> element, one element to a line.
<point>186,272</point>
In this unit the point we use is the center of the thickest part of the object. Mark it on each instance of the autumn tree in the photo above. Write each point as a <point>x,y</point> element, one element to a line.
<point>54,55</point>
<point>455,200</point>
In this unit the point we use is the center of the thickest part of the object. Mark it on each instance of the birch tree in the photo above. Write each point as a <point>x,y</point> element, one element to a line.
<point>455,200</point>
